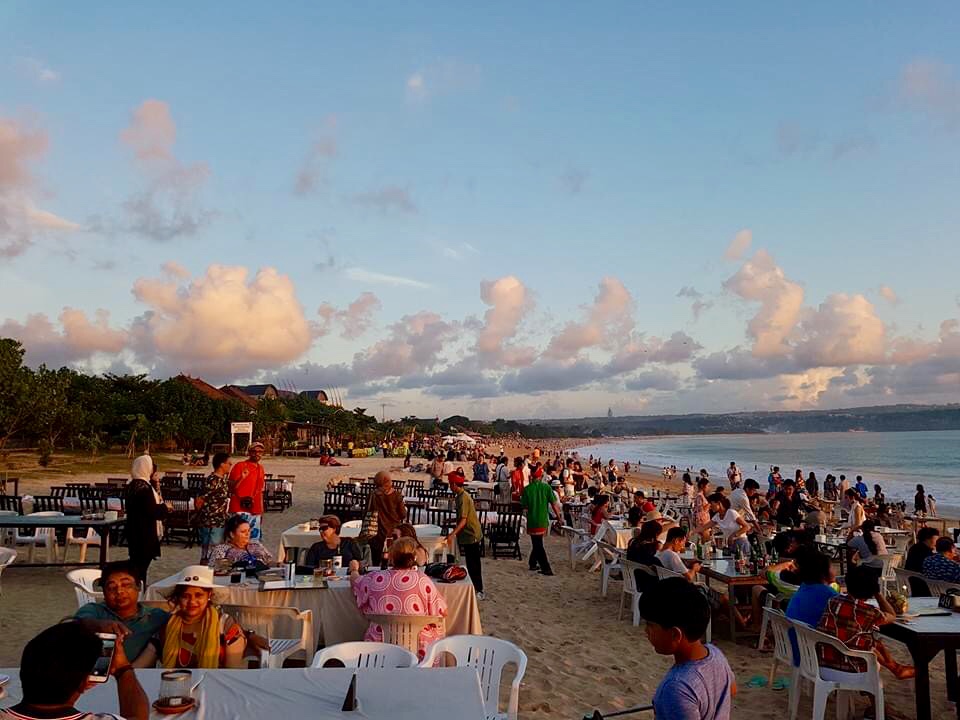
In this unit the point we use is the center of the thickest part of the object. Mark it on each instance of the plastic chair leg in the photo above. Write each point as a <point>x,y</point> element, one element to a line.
<point>795,692</point>
<point>821,692</point>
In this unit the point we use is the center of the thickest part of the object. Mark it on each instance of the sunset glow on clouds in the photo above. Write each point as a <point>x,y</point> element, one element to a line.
<point>480,232</point>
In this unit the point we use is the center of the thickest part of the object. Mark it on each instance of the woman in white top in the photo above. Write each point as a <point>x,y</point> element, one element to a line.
<point>733,527</point>
<point>869,546</point>
<point>855,513</point>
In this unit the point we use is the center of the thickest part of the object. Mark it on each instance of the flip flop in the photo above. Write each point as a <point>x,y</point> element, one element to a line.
<point>781,684</point>
<point>757,681</point>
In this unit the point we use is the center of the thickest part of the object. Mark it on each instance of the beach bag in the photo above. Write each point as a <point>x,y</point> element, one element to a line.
<point>444,572</point>
<point>370,525</point>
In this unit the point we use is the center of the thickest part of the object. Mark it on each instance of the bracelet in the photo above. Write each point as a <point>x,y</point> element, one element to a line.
<point>122,670</point>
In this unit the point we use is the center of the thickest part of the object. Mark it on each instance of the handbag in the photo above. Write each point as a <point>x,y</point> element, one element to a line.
<point>370,525</point>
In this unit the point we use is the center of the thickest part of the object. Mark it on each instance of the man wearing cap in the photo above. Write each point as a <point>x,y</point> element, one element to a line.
<point>467,531</point>
<point>246,489</point>
<point>537,499</point>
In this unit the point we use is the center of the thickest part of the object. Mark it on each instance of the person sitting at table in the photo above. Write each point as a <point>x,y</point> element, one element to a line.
<point>122,614</point>
<point>943,564</point>
<point>851,620</point>
<point>811,597</point>
<point>600,511</point>
<point>669,554</point>
<point>409,531</point>
<point>728,520</point>
<point>198,634</point>
<point>855,512</point>
<point>787,505</point>
<point>331,545</point>
<point>388,504</point>
<point>643,549</point>
<point>399,590</point>
<point>869,547</point>
<point>916,555</point>
<point>54,671</point>
<point>815,518</point>
<point>634,517</point>
<point>238,547</point>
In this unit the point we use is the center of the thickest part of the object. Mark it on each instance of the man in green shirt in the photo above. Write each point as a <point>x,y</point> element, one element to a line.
<point>537,499</point>
<point>467,532</point>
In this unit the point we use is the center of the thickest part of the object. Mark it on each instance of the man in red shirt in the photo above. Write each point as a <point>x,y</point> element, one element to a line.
<point>246,489</point>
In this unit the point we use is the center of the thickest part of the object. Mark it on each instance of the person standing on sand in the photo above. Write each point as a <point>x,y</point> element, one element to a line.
<point>247,479</point>
<point>145,513</point>
<point>537,499</point>
<point>733,475</point>
<point>467,532</point>
<point>388,504</point>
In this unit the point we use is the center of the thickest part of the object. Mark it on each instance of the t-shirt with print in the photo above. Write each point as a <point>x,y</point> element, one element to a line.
<point>696,690</point>
<point>938,567</point>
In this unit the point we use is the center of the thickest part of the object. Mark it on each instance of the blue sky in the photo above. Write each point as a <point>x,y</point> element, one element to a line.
<point>553,143</point>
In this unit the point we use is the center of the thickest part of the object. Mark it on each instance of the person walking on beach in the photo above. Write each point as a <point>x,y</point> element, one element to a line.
<point>537,499</point>
<point>733,475</point>
<point>920,501</point>
<point>247,479</point>
<point>467,532</point>
<point>145,513</point>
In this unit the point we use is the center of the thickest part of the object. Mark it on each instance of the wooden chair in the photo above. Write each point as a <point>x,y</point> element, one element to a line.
<point>275,497</point>
<point>47,503</point>
<point>504,534</point>
<point>341,505</point>
<point>13,503</point>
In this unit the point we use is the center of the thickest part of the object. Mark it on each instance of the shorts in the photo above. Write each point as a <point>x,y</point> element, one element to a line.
<point>254,521</point>
<point>211,536</point>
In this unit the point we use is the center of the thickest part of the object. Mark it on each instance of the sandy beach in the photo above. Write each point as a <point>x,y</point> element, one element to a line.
<point>580,655</point>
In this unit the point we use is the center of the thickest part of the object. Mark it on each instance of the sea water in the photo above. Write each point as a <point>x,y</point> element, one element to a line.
<point>895,460</point>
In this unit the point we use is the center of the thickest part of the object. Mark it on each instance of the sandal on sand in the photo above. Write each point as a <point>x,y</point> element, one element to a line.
<point>757,681</point>
<point>781,684</point>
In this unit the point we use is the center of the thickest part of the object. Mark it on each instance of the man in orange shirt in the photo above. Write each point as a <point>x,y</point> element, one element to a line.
<point>246,489</point>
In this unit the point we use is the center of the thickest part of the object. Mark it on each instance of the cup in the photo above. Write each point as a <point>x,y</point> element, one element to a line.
<point>236,577</point>
<point>175,687</point>
<point>111,515</point>
<point>337,562</point>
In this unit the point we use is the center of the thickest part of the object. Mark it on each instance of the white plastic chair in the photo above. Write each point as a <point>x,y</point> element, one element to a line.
<point>575,540</point>
<point>488,655</point>
<point>611,557</point>
<point>630,588</point>
<point>593,546</point>
<point>663,573</point>
<point>91,538</point>
<point>902,576</point>
<point>782,650</point>
<point>768,605</point>
<point>45,537</point>
<point>7,556</point>
<point>366,656</point>
<point>83,581</point>
<point>887,577</point>
<point>7,534</point>
<point>289,631</point>
<point>404,630</point>
<point>352,524</point>
<point>939,587</point>
<point>826,680</point>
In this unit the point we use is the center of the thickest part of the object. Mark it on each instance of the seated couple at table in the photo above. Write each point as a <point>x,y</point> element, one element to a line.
<point>332,545</point>
<point>194,633</point>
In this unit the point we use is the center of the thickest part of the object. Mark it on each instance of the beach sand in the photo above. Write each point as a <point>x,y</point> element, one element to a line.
<point>580,656</point>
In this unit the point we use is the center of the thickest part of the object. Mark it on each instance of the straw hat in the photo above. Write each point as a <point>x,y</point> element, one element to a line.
<point>199,576</point>
<point>652,515</point>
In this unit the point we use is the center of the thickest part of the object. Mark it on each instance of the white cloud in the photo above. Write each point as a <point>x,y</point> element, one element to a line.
<point>378,278</point>
<point>175,270</point>
<point>889,294</point>
<point>609,322</point>
<point>510,301</point>
<point>739,245</point>
<point>77,338</point>
<point>354,320</point>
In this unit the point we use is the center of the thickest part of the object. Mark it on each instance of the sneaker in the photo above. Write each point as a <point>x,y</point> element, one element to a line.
<point>481,596</point>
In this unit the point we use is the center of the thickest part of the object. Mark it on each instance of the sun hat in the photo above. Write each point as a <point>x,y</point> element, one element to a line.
<point>652,515</point>
<point>199,576</point>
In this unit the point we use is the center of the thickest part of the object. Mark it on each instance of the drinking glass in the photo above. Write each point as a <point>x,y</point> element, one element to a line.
<point>175,687</point>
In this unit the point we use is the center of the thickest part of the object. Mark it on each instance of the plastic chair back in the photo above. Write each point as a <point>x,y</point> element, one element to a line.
<point>404,630</point>
<point>84,585</point>
<point>366,656</point>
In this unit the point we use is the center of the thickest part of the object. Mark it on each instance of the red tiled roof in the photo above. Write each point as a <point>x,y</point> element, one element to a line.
<point>235,393</point>
<point>206,388</point>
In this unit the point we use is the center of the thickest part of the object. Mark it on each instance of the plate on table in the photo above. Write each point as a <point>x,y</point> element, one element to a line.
<point>164,709</point>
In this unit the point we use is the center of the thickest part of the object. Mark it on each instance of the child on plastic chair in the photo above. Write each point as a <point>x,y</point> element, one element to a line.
<point>700,684</point>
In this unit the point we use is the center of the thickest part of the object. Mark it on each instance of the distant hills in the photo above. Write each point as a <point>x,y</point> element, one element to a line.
<point>883,418</point>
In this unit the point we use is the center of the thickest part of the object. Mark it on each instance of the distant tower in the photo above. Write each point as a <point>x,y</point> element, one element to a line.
<point>609,412</point>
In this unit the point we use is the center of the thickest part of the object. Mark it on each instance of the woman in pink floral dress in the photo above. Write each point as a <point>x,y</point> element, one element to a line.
<point>400,590</point>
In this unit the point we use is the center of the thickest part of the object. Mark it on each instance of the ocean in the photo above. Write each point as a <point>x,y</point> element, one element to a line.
<point>895,460</point>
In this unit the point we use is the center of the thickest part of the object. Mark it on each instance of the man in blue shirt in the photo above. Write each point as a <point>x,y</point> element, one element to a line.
<point>700,685</point>
<point>811,598</point>
<point>121,612</point>
<point>861,487</point>
<point>943,564</point>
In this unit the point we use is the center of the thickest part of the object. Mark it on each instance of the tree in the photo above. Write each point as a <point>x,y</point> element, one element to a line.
<point>17,391</point>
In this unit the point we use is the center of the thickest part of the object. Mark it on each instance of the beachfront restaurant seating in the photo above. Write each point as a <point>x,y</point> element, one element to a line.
<point>45,537</point>
<point>404,630</point>
<point>84,581</point>
<point>489,656</point>
<point>13,503</point>
<point>275,497</point>
<point>289,630</point>
<point>366,656</point>
<point>340,504</point>
<point>504,534</point>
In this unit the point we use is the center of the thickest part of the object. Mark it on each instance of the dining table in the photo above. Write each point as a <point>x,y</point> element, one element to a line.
<point>381,694</point>
<point>83,523</point>
<point>723,570</point>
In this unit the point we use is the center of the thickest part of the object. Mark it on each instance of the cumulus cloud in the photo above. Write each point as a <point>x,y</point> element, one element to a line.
<point>168,206</point>
<point>21,222</point>
<point>739,245</point>
<point>509,302</point>
<point>377,278</point>
<point>222,325</point>
<point>77,338</point>
<point>889,294</point>
<point>931,87</point>
<point>657,379</point>
<point>354,320</point>
<point>414,344</point>
<point>843,330</point>
<point>609,320</point>
<point>175,270</point>
<point>761,280</point>
<point>386,199</point>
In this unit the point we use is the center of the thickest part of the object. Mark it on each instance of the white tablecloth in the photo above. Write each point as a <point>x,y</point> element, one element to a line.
<point>335,615</point>
<point>407,694</point>
<point>617,534</point>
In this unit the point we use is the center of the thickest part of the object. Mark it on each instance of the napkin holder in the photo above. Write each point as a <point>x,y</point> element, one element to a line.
<point>350,702</point>
<point>950,600</point>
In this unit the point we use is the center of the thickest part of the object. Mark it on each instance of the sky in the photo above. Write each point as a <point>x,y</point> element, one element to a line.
<point>534,210</point>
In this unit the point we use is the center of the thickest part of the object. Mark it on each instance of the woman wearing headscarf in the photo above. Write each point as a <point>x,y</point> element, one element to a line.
<point>145,512</point>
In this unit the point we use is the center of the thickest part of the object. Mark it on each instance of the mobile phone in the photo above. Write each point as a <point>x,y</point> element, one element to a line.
<point>101,669</point>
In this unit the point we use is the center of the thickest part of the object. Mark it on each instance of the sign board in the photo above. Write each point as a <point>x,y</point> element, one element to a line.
<point>241,427</point>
